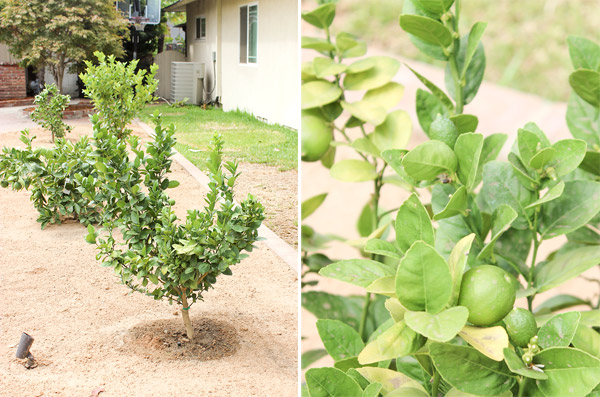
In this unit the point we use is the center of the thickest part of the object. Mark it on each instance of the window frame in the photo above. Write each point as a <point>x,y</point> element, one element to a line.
<point>247,55</point>
<point>198,28</point>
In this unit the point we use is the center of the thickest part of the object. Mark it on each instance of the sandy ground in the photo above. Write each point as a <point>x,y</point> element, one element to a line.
<point>91,333</point>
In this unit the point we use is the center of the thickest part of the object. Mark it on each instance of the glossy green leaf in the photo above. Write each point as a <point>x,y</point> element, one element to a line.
<point>456,205</point>
<point>529,178</point>
<point>372,390</point>
<point>435,90</point>
<point>353,171</point>
<point>553,193</point>
<point>587,339</point>
<point>381,72</point>
<point>426,29</point>
<point>331,382</point>
<point>559,302</point>
<point>565,266</point>
<point>502,218</point>
<point>465,123</point>
<point>528,144</point>
<point>591,163</point>
<point>501,186</point>
<point>329,306</point>
<point>340,340</point>
<point>370,112</point>
<point>542,158</point>
<point>569,154</point>
<point>428,160</point>
<point>394,132</point>
<point>583,120</point>
<point>397,341</point>
<point>516,365</point>
<point>319,93</point>
<point>578,204</point>
<point>312,204</point>
<point>489,341</point>
<point>322,16</point>
<point>571,372</point>
<point>391,380</point>
<point>559,330</point>
<point>435,7</point>
<point>383,286</point>
<point>361,272</point>
<point>440,327</point>
<point>492,145</point>
<point>456,264</point>
<point>395,308</point>
<point>473,75</point>
<point>415,389</point>
<point>365,145</point>
<point>468,150</point>
<point>428,107</point>
<point>423,280</point>
<point>477,374</point>
<point>514,246</point>
<point>311,356</point>
<point>413,224</point>
<point>382,247</point>
<point>585,54</point>
<point>316,43</point>
<point>325,67</point>
<point>586,83</point>
<point>472,44</point>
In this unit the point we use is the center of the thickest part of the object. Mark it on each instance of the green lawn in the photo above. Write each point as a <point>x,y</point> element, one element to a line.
<point>247,139</point>
<point>525,41</point>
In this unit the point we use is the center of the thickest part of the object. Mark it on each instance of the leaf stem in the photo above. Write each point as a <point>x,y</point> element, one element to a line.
<point>458,87</point>
<point>436,383</point>
<point>363,316</point>
<point>536,245</point>
<point>522,384</point>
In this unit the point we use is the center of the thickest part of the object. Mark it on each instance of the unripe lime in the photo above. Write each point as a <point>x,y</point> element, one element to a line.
<point>520,326</point>
<point>443,129</point>
<point>316,136</point>
<point>489,294</point>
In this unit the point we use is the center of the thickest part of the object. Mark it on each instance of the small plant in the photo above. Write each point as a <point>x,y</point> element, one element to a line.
<point>49,111</point>
<point>437,315</point>
<point>163,258</point>
<point>179,104</point>
<point>118,91</point>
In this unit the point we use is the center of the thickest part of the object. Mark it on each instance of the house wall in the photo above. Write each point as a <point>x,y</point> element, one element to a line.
<point>163,60</point>
<point>12,82</point>
<point>270,88</point>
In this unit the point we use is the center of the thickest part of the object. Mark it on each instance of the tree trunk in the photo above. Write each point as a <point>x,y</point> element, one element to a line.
<point>186,316</point>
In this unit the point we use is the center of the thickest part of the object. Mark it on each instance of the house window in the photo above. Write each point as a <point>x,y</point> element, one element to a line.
<point>201,28</point>
<point>248,33</point>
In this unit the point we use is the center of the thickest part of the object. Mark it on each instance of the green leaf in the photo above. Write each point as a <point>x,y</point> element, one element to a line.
<point>345,41</point>
<point>365,145</point>
<point>383,286</point>
<point>353,171</point>
<point>542,158</point>
<point>316,43</point>
<point>394,132</point>
<point>583,120</point>
<point>311,356</point>
<point>489,341</point>
<point>559,330</point>
<point>456,264</point>
<point>325,67</point>
<point>396,341</point>
<point>370,112</point>
<point>340,340</point>
<point>569,154</point>
<point>386,96</point>
<point>428,107</point>
<point>441,327</point>
<point>372,390</point>
<point>565,266</point>
<point>465,123</point>
<point>331,382</point>
<point>578,204</point>
<point>391,380</point>
<point>334,307</point>
<point>553,193</point>
<point>587,339</point>
<point>381,72</point>
<point>173,184</point>
<point>472,44</point>
<point>322,16</point>
<point>310,205</point>
<point>395,308</point>
<point>382,247</point>
<point>586,84</point>
<point>426,29</point>
<point>585,54</point>
<point>456,205</point>
<point>516,365</point>
<point>559,302</point>
<point>529,179</point>
<point>473,75</point>
<point>502,218</point>
<point>476,373</point>
<point>423,280</point>
<point>318,93</point>
<point>428,160</point>
<point>468,150</point>
<point>571,372</point>
<point>413,224</point>
<point>435,90</point>
<point>591,163</point>
<point>435,7</point>
<point>361,272</point>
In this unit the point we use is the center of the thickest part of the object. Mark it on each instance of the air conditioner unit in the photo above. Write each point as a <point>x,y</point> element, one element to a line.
<point>187,81</point>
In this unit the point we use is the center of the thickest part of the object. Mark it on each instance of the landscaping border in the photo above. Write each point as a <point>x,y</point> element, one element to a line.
<point>272,240</point>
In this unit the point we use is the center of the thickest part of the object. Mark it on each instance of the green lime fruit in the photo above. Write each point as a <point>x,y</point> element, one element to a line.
<point>443,129</point>
<point>489,294</point>
<point>316,136</point>
<point>520,326</point>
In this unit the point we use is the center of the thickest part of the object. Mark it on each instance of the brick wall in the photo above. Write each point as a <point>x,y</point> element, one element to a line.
<point>12,82</point>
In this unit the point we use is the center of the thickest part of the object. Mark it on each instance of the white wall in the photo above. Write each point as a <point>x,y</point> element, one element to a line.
<point>69,84</point>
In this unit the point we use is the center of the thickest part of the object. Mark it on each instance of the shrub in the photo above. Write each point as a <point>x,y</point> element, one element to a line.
<point>49,111</point>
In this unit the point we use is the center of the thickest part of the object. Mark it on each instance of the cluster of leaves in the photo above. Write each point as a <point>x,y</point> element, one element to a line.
<point>119,92</point>
<point>413,338</point>
<point>49,111</point>
<point>160,257</point>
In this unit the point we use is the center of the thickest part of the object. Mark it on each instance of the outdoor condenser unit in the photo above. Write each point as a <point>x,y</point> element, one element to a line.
<point>187,81</point>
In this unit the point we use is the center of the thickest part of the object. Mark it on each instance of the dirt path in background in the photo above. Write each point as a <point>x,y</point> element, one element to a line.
<point>90,332</point>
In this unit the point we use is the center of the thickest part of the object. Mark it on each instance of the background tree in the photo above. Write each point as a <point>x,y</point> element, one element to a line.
<point>60,34</point>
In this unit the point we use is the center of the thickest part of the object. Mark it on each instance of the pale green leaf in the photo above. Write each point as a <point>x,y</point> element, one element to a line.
<point>353,171</point>
<point>559,330</point>
<point>331,382</point>
<point>428,160</point>
<point>440,327</point>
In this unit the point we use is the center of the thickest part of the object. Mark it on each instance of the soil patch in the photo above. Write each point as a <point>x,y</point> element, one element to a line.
<point>166,339</point>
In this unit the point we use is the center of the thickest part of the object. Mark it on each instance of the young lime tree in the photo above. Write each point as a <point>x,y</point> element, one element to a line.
<point>118,91</point>
<point>161,257</point>
<point>442,321</point>
<point>49,111</point>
